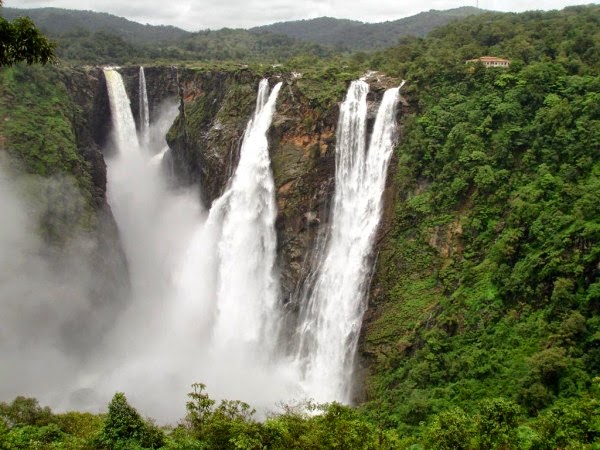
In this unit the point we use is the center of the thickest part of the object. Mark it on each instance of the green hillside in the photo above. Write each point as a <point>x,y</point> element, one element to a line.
<point>487,284</point>
<point>59,22</point>
<point>355,35</point>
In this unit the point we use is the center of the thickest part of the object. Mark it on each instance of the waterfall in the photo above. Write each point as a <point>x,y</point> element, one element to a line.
<point>209,312</point>
<point>229,273</point>
<point>124,133</point>
<point>143,107</point>
<point>247,291</point>
<point>333,307</point>
<point>205,287</point>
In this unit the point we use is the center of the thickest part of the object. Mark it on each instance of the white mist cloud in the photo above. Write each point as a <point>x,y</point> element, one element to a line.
<point>44,292</point>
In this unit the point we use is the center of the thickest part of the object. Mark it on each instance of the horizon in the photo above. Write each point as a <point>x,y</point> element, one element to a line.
<point>163,20</point>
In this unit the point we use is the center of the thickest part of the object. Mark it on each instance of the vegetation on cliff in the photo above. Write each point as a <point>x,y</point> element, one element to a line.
<point>487,279</point>
<point>37,132</point>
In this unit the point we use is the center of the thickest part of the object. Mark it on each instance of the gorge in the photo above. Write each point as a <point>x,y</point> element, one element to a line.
<point>465,248</point>
<point>220,286</point>
<point>211,280</point>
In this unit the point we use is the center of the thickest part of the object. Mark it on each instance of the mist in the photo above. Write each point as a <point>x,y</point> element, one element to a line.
<point>165,340</point>
<point>60,345</point>
<point>45,290</point>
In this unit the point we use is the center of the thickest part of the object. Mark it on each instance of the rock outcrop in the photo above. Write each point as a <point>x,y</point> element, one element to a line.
<point>206,137</point>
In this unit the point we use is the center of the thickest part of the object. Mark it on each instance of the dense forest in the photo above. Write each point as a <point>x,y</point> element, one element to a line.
<point>351,35</point>
<point>484,327</point>
<point>98,38</point>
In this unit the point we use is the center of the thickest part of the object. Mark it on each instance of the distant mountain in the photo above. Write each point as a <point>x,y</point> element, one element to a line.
<point>354,35</point>
<point>56,22</point>
<point>99,38</point>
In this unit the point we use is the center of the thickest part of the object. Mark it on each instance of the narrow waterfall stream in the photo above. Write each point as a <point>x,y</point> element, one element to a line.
<point>144,108</point>
<point>248,289</point>
<point>332,309</point>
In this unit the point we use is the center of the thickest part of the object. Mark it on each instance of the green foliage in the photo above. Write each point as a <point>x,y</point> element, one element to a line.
<point>20,41</point>
<point>569,423</point>
<point>485,285</point>
<point>496,424</point>
<point>124,428</point>
<point>24,411</point>
<point>323,83</point>
<point>37,131</point>
<point>449,430</point>
<point>24,424</point>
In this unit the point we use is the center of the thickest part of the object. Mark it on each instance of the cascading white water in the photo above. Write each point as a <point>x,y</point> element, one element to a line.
<point>331,315</point>
<point>122,120</point>
<point>209,312</point>
<point>143,108</point>
<point>204,305</point>
<point>145,349</point>
<point>248,289</point>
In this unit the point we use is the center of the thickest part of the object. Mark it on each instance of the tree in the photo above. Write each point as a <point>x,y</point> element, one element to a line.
<point>124,428</point>
<point>450,429</point>
<point>20,40</point>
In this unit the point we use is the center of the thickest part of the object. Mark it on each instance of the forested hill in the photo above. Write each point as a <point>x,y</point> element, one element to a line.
<point>355,35</point>
<point>86,37</point>
<point>57,21</point>
<point>100,38</point>
<point>486,298</point>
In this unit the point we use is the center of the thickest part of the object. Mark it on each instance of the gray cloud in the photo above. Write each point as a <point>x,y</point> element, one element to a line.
<point>201,14</point>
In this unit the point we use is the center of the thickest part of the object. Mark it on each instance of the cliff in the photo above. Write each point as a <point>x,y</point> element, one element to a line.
<point>53,123</point>
<point>206,137</point>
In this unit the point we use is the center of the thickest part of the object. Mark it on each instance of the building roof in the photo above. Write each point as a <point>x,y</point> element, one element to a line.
<point>488,59</point>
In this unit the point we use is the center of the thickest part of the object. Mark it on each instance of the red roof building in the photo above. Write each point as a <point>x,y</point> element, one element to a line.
<point>490,61</point>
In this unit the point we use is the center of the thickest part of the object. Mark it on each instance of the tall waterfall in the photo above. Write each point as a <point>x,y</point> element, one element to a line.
<point>333,308</point>
<point>122,120</point>
<point>143,107</point>
<point>229,272</point>
<point>247,291</point>
<point>205,288</point>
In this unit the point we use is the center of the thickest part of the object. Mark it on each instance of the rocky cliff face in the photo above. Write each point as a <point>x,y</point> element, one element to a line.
<point>206,138</point>
<point>55,121</point>
<point>205,141</point>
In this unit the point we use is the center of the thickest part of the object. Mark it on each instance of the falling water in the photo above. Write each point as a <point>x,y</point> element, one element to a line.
<point>155,225</point>
<point>143,108</point>
<point>205,295</point>
<point>248,289</point>
<point>122,120</point>
<point>209,313</point>
<point>230,267</point>
<point>332,311</point>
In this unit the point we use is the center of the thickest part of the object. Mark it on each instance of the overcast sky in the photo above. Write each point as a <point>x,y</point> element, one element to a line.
<point>195,15</point>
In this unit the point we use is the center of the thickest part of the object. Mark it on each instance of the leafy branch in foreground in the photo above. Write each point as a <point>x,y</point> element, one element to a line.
<point>20,40</point>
